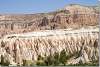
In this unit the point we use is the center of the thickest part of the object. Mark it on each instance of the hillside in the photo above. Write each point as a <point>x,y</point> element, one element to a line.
<point>71,16</point>
<point>68,36</point>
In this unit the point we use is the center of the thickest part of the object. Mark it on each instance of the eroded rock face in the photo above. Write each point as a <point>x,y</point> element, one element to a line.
<point>29,46</point>
<point>73,16</point>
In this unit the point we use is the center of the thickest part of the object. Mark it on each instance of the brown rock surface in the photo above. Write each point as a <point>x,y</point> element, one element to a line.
<point>73,16</point>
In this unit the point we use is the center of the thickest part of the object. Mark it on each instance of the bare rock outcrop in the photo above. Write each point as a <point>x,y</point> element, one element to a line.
<point>72,16</point>
<point>27,36</point>
<point>29,46</point>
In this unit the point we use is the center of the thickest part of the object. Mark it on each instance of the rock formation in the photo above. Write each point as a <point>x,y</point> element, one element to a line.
<point>27,36</point>
<point>29,46</point>
<point>73,16</point>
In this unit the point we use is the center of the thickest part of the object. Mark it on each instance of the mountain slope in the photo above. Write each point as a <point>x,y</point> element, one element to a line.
<point>71,16</point>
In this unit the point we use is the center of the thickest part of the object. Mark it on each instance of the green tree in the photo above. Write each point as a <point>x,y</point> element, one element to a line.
<point>63,57</point>
<point>56,59</point>
<point>40,61</point>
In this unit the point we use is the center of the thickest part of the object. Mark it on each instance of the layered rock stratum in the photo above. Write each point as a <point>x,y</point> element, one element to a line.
<point>71,16</point>
<point>74,29</point>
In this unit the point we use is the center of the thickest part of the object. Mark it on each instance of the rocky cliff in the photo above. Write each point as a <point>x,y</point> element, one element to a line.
<point>26,38</point>
<point>82,42</point>
<point>73,16</point>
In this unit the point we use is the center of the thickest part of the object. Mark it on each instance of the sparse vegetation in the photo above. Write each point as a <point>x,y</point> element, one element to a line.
<point>60,59</point>
<point>27,62</point>
<point>85,64</point>
<point>63,57</point>
<point>3,62</point>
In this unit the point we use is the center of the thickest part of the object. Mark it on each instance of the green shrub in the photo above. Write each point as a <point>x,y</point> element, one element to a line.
<point>53,60</point>
<point>40,63</point>
<point>40,57</point>
<point>4,63</point>
<point>27,62</point>
<point>60,59</point>
<point>49,60</point>
<point>63,57</point>
<point>56,59</point>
